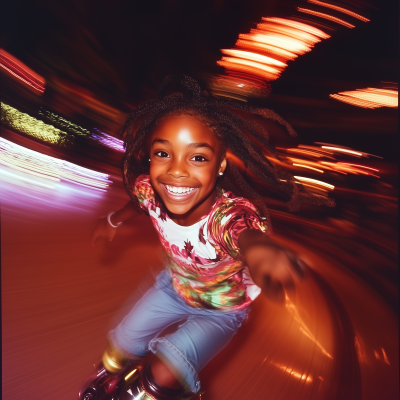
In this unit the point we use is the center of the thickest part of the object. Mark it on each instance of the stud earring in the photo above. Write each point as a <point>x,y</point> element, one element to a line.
<point>149,159</point>
<point>221,173</point>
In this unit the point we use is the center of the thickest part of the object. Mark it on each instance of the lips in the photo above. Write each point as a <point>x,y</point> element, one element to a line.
<point>178,193</point>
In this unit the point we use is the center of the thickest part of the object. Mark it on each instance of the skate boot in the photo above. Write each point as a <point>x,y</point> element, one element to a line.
<point>146,388</point>
<point>111,374</point>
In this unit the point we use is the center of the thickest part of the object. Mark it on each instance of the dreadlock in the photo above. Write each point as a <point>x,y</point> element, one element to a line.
<point>242,136</point>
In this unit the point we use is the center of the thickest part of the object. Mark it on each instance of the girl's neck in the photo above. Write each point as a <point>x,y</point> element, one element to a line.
<point>195,214</point>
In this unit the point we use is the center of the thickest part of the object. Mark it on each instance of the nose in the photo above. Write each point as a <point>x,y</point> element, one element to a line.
<point>177,168</point>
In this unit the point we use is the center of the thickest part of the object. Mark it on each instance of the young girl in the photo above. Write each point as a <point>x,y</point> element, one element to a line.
<point>214,228</point>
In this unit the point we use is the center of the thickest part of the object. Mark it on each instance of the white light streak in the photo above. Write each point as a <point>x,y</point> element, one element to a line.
<point>342,150</point>
<point>34,163</point>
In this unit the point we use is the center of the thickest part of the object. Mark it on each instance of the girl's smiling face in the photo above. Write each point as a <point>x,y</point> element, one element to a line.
<point>185,161</point>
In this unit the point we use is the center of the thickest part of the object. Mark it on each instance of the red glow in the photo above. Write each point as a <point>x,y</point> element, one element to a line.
<point>19,70</point>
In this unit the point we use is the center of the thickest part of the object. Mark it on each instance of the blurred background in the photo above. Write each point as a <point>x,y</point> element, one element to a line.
<point>71,71</point>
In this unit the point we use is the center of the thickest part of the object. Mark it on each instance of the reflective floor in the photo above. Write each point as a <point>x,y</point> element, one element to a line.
<point>336,338</point>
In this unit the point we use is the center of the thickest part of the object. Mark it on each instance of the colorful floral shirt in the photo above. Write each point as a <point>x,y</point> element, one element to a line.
<point>204,259</point>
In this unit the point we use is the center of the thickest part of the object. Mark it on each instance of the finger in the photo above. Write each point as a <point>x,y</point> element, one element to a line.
<point>296,263</point>
<point>273,289</point>
<point>277,290</point>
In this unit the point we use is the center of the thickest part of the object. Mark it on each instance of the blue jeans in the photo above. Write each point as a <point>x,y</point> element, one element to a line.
<point>202,334</point>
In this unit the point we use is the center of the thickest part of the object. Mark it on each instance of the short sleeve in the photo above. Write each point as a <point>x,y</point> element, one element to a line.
<point>144,192</point>
<point>231,218</point>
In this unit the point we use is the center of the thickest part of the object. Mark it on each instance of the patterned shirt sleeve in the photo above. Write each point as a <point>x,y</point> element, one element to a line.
<point>231,218</point>
<point>144,192</point>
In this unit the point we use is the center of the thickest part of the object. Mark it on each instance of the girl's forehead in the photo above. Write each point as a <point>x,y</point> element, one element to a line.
<point>184,128</point>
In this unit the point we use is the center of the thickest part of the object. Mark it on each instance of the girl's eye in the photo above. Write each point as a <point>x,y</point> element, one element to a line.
<point>161,154</point>
<point>199,158</point>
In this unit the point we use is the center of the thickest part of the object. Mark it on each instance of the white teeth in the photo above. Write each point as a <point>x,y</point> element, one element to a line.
<point>179,190</point>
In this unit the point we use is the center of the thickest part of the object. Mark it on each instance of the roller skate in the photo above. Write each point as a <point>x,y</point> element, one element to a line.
<point>112,374</point>
<point>146,388</point>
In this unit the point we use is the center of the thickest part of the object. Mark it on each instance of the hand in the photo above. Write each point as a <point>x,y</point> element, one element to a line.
<point>102,229</point>
<point>274,269</point>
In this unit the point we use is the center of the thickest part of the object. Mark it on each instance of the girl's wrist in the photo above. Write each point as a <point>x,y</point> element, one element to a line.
<point>114,225</point>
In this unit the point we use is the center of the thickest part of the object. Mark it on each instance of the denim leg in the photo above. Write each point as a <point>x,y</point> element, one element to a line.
<point>196,342</point>
<point>154,312</point>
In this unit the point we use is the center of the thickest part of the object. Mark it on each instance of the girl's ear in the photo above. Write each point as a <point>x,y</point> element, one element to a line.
<point>222,166</point>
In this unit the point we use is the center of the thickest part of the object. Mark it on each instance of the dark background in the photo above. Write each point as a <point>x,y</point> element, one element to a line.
<point>122,50</point>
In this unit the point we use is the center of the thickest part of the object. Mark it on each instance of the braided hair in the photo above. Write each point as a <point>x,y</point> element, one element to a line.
<point>241,136</point>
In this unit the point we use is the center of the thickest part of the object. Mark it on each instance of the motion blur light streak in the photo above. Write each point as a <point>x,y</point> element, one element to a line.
<point>326,16</point>
<point>47,167</point>
<point>346,167</point>
<point>254,57</point>
<point>298,25</point>
<point>369,97</point>
<point>312,151</point>
<point>303,327</point>
<point>385,356</point>
<point>31,126</point>
<point>355,153</point>
<point>341,9</point>
<point>337,148</point>
<point>20,71</point>
<point>306,166</point>
<point>259,69</point>
<point>108,140</point>
<point>16,179</point>
<point>291,372</point>
<point>63,123</point>
<point>263,53</point>
<point>314,181</point>
<point>264,47</point>
<point>363,166</point>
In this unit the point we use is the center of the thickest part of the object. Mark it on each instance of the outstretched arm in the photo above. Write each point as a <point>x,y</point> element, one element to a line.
<point>273,268</point>
<point>103,229</point>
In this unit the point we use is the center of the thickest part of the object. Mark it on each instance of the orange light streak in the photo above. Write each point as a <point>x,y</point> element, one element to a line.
<point>360,353</point>
<point>326,16</point>
<point>298,375</point>
<point>363,166</point>
<point>287,31</point>
<point>254,57</point>
<point>316,149</point>
<point>341,9</point>
<point>385,356</point>
<point>264,52</point>
<point>315,181</point>
<point>274,39</point>
<point>300,26</point>
<point>306,166</point>
<point>369,97</point>
<point>246,68</point>
<point>314,187</point>
<point>303,328</point>
<point>306,162</point>
<point>307,152</point>
<point>341,167</point>
<point>248,44</point>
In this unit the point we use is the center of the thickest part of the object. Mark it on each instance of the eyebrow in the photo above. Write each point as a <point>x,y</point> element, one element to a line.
<point>189,146</point>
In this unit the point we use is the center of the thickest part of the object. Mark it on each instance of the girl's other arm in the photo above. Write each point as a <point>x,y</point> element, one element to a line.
<point>273,268</point>
<point>103,229</point>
